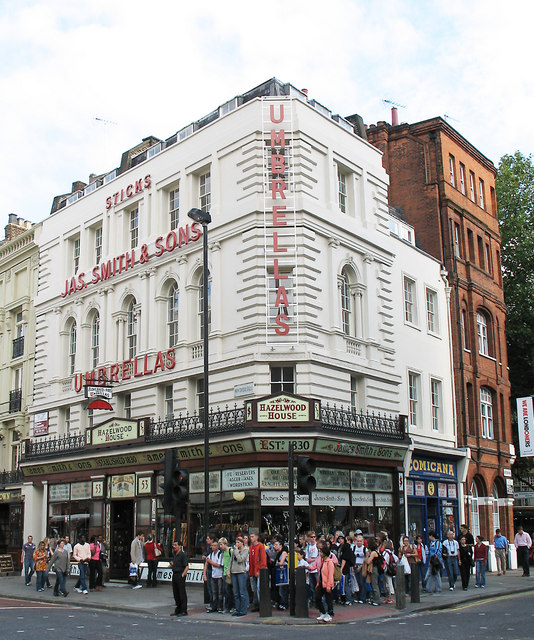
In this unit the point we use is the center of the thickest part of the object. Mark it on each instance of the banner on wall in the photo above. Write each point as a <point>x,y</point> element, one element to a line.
<point>525,425</point>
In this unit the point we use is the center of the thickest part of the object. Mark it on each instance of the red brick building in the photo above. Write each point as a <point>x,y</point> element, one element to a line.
<point>446,189</point>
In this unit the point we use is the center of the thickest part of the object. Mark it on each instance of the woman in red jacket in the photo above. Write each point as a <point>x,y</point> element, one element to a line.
<point>152,560</point>
<point>481,560</point>
<point>325,585</point>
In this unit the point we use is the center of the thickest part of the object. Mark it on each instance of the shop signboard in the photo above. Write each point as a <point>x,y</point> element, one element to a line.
<point>144,485</point>
<point>283,408</point>
<point>6,563</point>
<point>420,488</point>
<point>123,486</point>
<point>360,450</point>
<point>98,488</point>
<point>442,490</point>
<point>281,499</point>
<point>80,490</point>
<point>383,500</point>
<point>430,468</point>
<point>409,488</point>
<point>10,496</point>
<point>331,498</point>
<point>116,431</point>
<point>276,445</point>
<point>451,490</point>
<point>332,478</point>
<point>40,424</point>
<point>239,479</point>
<point>58,492</point>
<point>371,481</point>
<point>92,463</point>
<point>361,499</point>
<point>274,478</point>
<point>217,449</point>
<point>196,482</point>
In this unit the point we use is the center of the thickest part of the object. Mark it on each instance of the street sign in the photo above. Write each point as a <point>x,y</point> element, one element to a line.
<point>523,494</point>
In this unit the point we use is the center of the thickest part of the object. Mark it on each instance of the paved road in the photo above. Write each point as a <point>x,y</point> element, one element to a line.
<point>504,617</point>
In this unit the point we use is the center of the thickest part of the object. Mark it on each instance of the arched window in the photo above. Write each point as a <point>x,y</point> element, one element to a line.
<point>475,520</point>
<point>486,413</point>
<point>201,303</point>
<point>485,334</point>
<point>131,329</point>
<point>95,340</point>
<point>346,303</point>
<point>464,327</point>
<point>172,315</point>
<point>350,297</point>
<point>72,348</point>
<point>495,508</point>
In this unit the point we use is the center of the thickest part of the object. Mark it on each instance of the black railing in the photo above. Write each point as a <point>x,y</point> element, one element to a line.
<point>232,421</point>
<point>363,424</point>
<point>10,477</point>
<point>15,400</point>
<point>18,347</point>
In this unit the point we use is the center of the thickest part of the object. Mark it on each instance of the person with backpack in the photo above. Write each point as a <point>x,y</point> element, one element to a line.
<point>373,563</point>
<point>390,571</point>
<point>435,564</point>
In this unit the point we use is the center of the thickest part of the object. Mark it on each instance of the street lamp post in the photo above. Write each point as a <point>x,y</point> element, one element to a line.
<point>204,218</point>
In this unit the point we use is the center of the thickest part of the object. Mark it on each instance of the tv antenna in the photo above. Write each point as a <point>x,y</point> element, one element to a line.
<point>394,104</point>
<point>448,117</point>
<point>103,121</point>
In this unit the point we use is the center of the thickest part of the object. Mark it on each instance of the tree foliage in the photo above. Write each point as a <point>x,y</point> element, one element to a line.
<point>515,197</point>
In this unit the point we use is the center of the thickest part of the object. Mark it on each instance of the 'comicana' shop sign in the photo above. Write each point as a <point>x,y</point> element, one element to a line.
<point>280,230</point>
<point>435,468</point>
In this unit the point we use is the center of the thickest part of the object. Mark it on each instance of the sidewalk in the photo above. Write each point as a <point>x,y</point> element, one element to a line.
<point>159,602</point>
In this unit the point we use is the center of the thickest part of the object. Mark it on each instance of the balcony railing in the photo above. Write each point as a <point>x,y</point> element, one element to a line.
<point>18,347</point>
<point>15,400</point>
<point>229,421</point>
<point>10,477</point>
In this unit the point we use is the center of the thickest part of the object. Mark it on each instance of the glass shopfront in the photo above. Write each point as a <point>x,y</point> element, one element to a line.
<point>432,493</point>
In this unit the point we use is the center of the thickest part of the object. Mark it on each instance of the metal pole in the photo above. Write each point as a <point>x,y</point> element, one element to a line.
<point>291,545</point>
<point>206,393</point>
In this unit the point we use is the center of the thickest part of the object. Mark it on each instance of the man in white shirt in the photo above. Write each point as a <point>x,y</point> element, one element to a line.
<point>311,554</point>
<point>359,556</point>
<point>82,554</point>
<point>523,542</point>
<point>449,551</point>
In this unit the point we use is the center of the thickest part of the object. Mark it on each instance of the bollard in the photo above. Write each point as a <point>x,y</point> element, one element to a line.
<point>266,610</point>
<point>415,591</point>
<point>400,589</point>
<point>301,593</point>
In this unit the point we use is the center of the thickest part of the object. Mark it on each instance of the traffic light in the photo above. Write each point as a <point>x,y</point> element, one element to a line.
<point>176,484</point>
<point>305,480</point>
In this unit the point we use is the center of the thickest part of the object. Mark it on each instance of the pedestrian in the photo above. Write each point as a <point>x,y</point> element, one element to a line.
<point>27,561</point>
<point>137,556</point>
<point>257,561</point>
<point>480,554</point>
<point>523,542</point>
<point>464,531</point>
<point>408,558</point>
<point>390,562</point>
<point>49,550</point>
<point>359,551</point>
<point>104,558</point>
<point>40,557</point>
<point>345,556</point>
<point>238,572</point>
<point>282,574</point>
<point>422,555</point>
<point>449,552</point>
<point>435,564</point>
<point>465,561</point>
<point>180,567</point>
<point>312,552</point>
<point>501,545</point>
<point>61,564</point>
<point>153,550</point>
<point>95,566</point>
<point>215,559</point>
<point>325,586</point>
<point>372,562</point>
<point>82,554</point>
<point>68,546</point>
<point>208,594</point>
<point>227,582</point>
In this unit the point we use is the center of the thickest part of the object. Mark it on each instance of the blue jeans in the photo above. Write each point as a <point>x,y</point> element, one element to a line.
<point>452,569</point>
<point>228,596</point>
<point>83,570</point>
<point>362,595</point>
<point>39,582</point>
<point>312,585</point>
<point>60,586</point>
<point>239,582</point>
<point>433,581</point>
<point>29,565</point>
<point>481,573</point>
<point>255,587</point>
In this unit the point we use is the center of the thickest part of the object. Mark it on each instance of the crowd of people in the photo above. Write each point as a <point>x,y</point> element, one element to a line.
<point>340,569</point>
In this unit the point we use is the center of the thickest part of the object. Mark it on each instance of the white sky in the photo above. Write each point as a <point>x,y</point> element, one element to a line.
<point>151,68</point>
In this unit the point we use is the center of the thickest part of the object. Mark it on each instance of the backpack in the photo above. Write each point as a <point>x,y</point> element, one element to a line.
<point>391,566</point>
<point>379,563</point>
<point>337,572</point>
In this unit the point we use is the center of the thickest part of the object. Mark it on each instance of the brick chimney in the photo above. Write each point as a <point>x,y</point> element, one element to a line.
<point>15,227</point>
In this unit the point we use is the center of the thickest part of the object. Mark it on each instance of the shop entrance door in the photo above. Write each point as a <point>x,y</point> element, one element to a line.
<point>122,534</point>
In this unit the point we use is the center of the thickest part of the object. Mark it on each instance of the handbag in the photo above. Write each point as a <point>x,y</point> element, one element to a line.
<point>157,552</point>
<point>281,575</point>
<point>406,565</point>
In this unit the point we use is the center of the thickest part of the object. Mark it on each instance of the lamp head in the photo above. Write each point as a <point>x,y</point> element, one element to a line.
<point>200,216</point>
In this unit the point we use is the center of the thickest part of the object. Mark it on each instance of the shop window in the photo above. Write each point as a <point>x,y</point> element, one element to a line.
<point>486,413</point>
<point>172,315</point>
<point>95,340</point>
<point>282,379</point>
